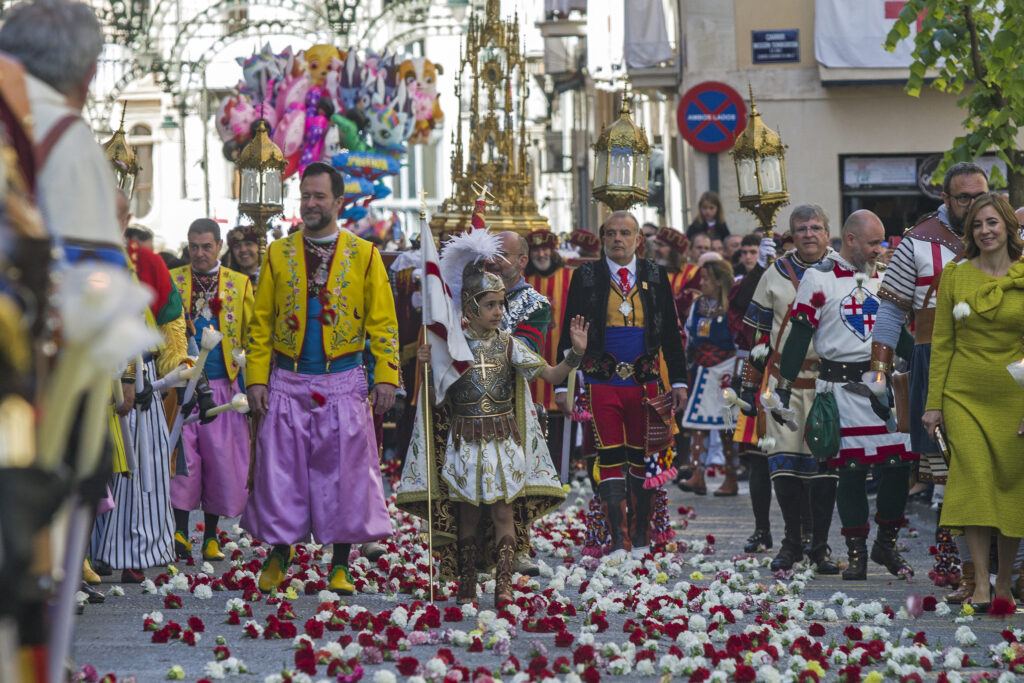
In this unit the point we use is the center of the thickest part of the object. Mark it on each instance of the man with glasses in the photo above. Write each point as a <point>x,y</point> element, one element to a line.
<point>804,487</point>
<point>910,284</point>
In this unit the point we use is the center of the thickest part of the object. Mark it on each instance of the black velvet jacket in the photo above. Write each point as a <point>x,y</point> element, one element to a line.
<point>588,296</point>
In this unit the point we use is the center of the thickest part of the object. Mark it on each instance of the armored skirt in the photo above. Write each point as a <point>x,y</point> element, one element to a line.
<point>981,404</point>
<point>488,448</point>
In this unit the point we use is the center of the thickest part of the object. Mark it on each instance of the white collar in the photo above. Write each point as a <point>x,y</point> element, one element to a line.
<point>614,267</point>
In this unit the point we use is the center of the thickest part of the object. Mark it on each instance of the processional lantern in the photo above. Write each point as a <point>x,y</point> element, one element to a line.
<point>122,157</point>
<point>622,157</point>
<point>261,167</point>
<point>760,158</point>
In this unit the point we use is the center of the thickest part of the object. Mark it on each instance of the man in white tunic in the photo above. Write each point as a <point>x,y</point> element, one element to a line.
<point>835,307</point>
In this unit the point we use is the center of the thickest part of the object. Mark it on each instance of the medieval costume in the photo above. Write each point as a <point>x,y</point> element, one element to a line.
<point>632,320</point>
<point>835,306</point>
<point>316,468</point>
<point>488,433</point>
<point>909,287</point>
<point>797,476</point>
<point>217,454</point>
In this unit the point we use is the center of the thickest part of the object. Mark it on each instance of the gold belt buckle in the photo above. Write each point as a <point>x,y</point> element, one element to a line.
<point>624,370</point>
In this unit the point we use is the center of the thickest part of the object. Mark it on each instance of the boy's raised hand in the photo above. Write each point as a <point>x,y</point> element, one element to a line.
<point>578,329</point>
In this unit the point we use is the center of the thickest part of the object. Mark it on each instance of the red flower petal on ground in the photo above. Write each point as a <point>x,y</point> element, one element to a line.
<point>407,666</point>
<point>1001,607</point>
<point>818,299</point>
<point>196,624</point>
<point>816,630</point>
<point>452,614</point>
<point>929,603</point>
<point>853,633</point>
<point>305,661</point>
<point>564,639</point>
<point>172,602</point>
<point>710,539</point>
<point>220,653</point>
<point>314,628</point>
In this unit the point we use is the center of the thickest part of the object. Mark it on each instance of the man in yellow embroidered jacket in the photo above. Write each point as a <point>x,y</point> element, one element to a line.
<point>217,451</point>
<point>322,294</point>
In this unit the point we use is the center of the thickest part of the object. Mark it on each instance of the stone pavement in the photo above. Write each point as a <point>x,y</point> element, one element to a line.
<point>111,638</point>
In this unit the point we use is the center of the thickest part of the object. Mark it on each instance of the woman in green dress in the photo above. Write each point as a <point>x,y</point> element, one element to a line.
<point>979,320</point>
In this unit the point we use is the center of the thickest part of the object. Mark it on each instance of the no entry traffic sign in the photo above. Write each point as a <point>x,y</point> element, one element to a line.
<point>710,116</point>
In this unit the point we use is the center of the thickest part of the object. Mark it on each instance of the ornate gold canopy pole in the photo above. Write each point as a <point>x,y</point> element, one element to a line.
<point>760,158</point>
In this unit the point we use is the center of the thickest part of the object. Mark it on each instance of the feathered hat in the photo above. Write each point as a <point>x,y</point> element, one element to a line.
<point>463,257</point>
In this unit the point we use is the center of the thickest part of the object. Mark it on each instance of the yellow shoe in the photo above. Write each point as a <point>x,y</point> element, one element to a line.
<point>341,581</point>
<point>211,550</point>
<point>182,547</point>
<point>89,575</point>
<point>273,572</point>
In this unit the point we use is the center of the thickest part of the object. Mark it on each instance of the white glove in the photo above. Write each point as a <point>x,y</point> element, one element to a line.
<point>765,252</point>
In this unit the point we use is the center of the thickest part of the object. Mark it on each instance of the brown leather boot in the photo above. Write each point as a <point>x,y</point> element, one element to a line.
<point>503,571</point>
<point>965,588</point>
<point>695,484</point>
<point>467,570</point>
<point>729,487</point>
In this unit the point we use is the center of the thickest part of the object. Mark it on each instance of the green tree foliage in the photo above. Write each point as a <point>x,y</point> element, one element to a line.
<point>976,50</point>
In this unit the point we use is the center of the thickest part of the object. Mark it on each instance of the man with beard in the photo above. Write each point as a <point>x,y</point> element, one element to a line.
<point>244,252</point>
<point>548,275</point>
<point>528,317</point>
<point>835,306</point>
<point>527,312</point>
<point>316,466</point>
<point>909,285</point>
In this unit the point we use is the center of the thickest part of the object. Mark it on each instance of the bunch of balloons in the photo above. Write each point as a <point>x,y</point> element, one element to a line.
<point>330,105</point>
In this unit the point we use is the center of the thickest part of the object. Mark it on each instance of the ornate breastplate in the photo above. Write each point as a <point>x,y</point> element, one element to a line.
<point>486,388</point>
<point>483,397</point>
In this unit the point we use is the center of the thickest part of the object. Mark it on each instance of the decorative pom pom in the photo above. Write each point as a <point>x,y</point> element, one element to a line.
<point>818,299</point>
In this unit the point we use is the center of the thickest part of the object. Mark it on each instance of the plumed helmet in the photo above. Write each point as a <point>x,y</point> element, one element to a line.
<point>477,282</point>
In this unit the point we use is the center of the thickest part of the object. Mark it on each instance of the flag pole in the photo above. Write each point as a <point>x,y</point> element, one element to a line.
<point>428,423</point>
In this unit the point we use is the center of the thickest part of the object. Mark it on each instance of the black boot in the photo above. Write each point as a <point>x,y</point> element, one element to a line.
<point>823,499</point>
<point>788,492</point>
<point>857,549</point>
<point>640,503</point>
<point>613,502</point>
<point>760,539</point>
<point>883,551</point>
<point>789,554</point>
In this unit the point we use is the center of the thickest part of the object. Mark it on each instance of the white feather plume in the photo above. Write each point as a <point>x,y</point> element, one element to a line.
<point>463,249</point>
